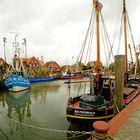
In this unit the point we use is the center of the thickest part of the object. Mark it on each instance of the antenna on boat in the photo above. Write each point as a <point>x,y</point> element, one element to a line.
<point>4,44</point>
<point>17,50</point>
<point>124,6</point>
<point>25,44</point>
<point>16,44</point>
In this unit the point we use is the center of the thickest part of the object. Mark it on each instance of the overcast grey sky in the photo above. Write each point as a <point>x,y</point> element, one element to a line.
<point>55,29</point>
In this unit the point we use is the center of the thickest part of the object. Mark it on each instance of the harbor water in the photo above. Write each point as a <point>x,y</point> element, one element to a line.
<point>38,113</point>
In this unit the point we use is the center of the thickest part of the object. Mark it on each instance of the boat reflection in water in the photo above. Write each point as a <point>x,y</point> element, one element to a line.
<point>19,105</point>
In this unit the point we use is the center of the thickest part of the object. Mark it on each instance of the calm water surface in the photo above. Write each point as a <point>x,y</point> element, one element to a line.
<point>43,107</point>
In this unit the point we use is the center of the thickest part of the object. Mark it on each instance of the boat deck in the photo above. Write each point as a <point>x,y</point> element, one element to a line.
<point>128,91</point>
<point>76,105</point>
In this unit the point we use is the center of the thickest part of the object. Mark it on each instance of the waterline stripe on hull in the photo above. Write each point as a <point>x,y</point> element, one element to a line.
<point>16,89</point>
<point>91,118</point>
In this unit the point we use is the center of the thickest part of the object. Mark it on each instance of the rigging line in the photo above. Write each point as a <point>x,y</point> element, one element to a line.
<point>111,46</point>
<point>120,33</point>
<point>84,43</point>
<point>90,41</point>
<point>131,33</point>
<point>104,39</point>
<point>116,29</point>
<point>90,49</point>
<point>89,56</point>
<point>108,40</point>
<point>130,52</point>
<point>107,60</point>
<point>104,42</point>
<point>91,32</point>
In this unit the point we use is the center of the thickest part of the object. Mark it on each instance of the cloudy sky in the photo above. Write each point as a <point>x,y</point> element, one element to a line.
<point>55,29</point>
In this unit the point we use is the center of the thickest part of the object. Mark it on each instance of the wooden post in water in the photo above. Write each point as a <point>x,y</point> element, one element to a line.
<point>119,82</point>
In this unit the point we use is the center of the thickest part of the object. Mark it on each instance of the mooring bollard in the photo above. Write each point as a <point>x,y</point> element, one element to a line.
<point>101,131</point>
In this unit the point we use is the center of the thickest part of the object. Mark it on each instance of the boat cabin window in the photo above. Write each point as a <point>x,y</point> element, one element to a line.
<point>108,83</point>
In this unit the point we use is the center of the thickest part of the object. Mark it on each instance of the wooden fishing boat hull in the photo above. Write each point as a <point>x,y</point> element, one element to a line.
<point>86,115</point>
<point>77,114</point>
<point>16,83</point>
<point>41,79</point>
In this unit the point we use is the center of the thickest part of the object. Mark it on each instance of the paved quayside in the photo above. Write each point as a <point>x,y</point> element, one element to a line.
<point>125,126</point>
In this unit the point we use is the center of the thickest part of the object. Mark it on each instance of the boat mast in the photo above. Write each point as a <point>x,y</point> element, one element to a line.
<point>17,50</point>
<point>98,7</point>
<point>125,36</point>
<point>4,44</point>
<point>25,44</point>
